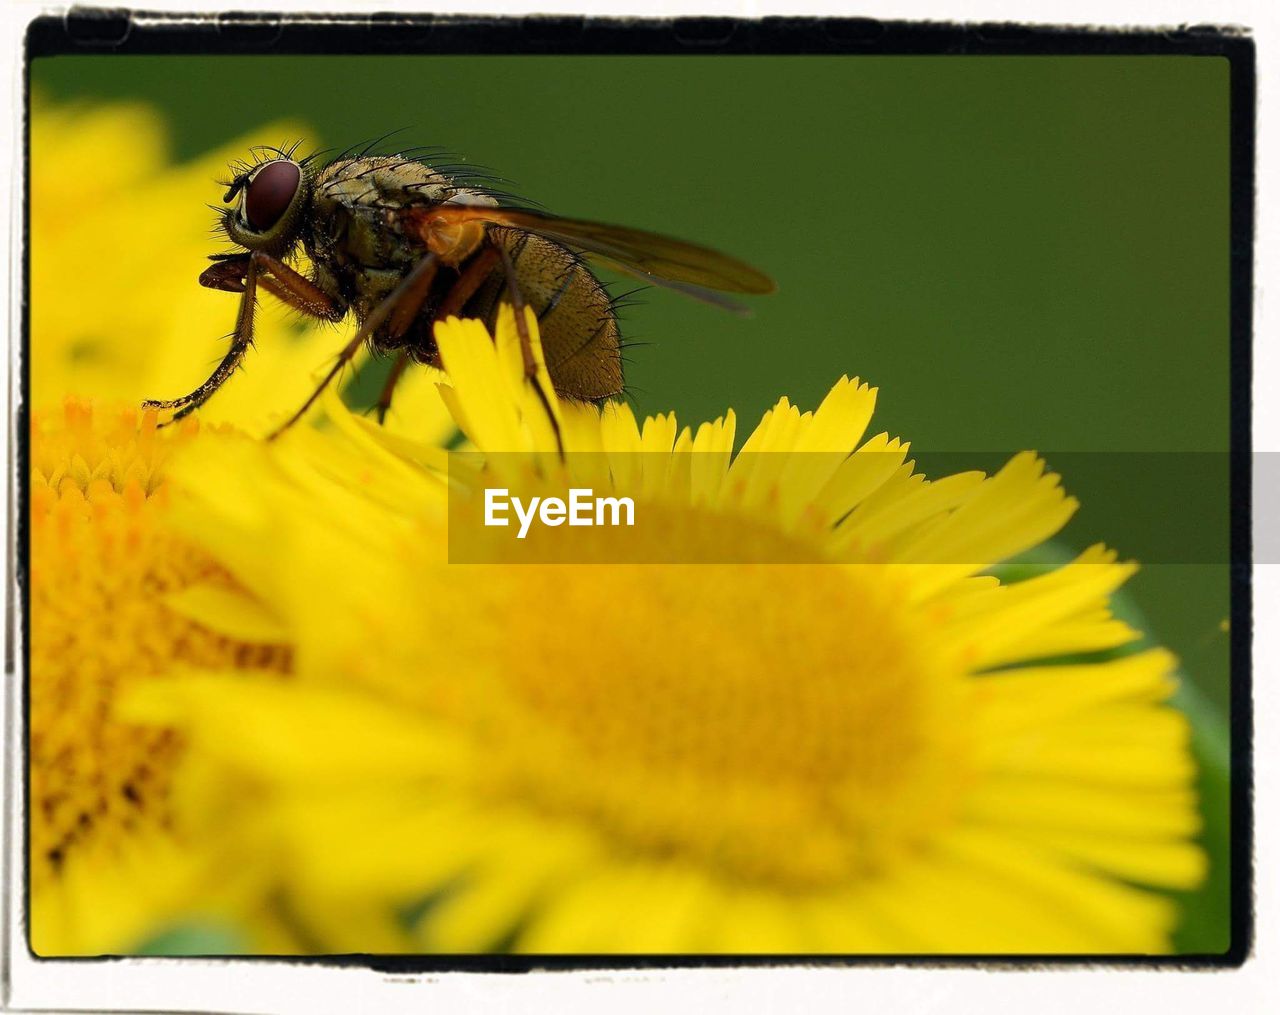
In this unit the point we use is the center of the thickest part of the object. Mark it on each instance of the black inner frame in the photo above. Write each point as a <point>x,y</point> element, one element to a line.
<point>85,31</point>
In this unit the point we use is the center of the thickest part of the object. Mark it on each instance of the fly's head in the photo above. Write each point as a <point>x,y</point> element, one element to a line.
<point>267,201</point>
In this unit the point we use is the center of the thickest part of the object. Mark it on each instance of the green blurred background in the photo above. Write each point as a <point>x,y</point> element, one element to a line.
<point>1022,252</point>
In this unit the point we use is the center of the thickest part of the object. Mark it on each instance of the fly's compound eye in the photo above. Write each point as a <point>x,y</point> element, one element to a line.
<point>270,193</point>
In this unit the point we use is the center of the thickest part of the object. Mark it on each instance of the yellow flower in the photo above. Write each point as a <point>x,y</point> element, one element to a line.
<point>111,231</point>
<point>108,858</point>
<point>115,858</point>
<point>838,735</point>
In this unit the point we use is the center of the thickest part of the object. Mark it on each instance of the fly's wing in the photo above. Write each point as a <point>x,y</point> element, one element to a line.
<point>687,268</point>
<point>648,253</point>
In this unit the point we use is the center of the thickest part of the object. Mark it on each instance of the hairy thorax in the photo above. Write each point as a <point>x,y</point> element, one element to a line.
<point>356,243</point>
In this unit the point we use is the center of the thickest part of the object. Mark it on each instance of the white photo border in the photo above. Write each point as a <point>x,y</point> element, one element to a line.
<point>263,985</point>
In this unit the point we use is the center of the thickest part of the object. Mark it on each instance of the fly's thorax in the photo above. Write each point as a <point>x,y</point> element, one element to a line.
<point>383,181</point>
<point>353,210</point>
<point>373,285</point>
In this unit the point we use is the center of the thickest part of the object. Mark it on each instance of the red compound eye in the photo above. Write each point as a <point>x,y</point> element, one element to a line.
<point>270,193</point>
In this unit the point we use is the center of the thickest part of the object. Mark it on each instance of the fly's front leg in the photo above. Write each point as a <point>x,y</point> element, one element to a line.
<point>228,274</point>
<point>244,273</point>
<point>241,339</point>
<point>296,289</point>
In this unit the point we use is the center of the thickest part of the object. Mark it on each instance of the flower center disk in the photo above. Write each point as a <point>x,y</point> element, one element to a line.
<point>103,561</point>
<point>714,713</point>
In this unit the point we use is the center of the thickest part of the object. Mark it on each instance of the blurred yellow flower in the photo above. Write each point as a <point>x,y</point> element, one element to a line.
<point>109,862</point>
<point>840,737</point>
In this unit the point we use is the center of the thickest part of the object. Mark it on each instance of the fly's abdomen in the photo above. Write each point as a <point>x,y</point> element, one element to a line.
<point>576,319</point>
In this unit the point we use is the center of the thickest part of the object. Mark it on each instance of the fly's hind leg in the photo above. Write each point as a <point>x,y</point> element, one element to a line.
<point>383,405</point>
<point>526,341</point>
